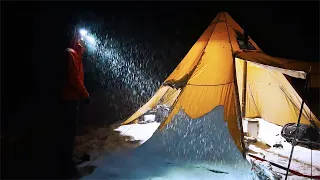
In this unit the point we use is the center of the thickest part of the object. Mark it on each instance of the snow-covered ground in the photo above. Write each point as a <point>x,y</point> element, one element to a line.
<point>141,132</point>
<point>302,158</point>
<point>185,149</point>
<point>198,149</point>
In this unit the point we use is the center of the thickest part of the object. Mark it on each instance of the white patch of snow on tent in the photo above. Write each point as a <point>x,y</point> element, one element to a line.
<point>140,132</point>
<point>184,149</point>
<point>149,117</point>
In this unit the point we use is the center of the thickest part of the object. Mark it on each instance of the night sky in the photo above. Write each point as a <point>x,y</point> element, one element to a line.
<point>33,35</point>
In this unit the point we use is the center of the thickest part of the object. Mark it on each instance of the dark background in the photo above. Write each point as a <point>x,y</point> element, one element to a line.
<point>33,34</point>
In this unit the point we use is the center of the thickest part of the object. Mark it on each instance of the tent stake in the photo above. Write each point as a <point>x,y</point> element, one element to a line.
<point>298,123</point>
<point>238,110</point>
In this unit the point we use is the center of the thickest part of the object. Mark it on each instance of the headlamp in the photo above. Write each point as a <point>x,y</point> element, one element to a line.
<point>87,39</point>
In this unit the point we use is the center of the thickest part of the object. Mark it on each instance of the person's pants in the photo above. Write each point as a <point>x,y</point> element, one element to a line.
<point>68,133</point>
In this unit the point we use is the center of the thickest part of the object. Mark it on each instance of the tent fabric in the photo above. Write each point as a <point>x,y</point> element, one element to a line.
<point>197,101</point>
<point>234,30</point>
<point>271,96</point>
<point>190,61</point>
<point>206,90</point>
<point>292,68</point>
<point>165,95</point>
<point>205,79</point>
<point>295,74</point>
<point>149,105</point>
<point>170,97</point>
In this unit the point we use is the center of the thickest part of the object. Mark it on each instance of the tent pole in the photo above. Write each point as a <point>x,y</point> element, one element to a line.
<point>244,80</point>
<point>244,89</point>
<point>238,109</point>
<point>298,123</point>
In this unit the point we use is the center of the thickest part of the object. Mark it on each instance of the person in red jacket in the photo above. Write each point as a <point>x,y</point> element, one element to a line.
<point>73,91</point>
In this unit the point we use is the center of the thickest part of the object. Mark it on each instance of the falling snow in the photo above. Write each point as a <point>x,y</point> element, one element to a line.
<point>128,69</point>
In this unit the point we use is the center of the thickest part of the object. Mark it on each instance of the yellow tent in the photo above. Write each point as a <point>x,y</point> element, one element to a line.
<point>222,70</point>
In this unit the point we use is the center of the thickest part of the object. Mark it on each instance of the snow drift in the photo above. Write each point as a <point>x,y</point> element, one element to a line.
<point>186,149</point>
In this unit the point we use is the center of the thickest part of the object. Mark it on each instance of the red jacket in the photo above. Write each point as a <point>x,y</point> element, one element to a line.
<point>74,88</point>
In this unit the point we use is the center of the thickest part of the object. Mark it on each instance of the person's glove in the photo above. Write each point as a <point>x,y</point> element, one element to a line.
<point>87,101</point>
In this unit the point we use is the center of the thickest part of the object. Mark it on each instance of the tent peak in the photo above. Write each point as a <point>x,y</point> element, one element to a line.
<point>223,13</point>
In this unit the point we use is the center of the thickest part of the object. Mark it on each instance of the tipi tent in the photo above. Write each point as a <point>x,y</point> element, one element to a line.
<point>222,70</point>
<point>201,137</point>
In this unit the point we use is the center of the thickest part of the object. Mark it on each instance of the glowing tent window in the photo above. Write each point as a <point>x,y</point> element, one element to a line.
<point>245,46</point>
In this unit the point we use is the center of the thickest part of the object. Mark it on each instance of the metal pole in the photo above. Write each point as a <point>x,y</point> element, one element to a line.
<point>310,146</point>
<point>244,89</point>
<point>298,123</point>
<point>238,110</point>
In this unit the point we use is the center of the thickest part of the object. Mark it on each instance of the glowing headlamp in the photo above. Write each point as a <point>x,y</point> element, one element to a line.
<point>88,40</point>
<point>83,32</point>
<point>86,37</point>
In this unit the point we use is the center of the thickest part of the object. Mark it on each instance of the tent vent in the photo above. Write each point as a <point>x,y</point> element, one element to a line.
<point>243,41</point>
<point>244,46</point>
